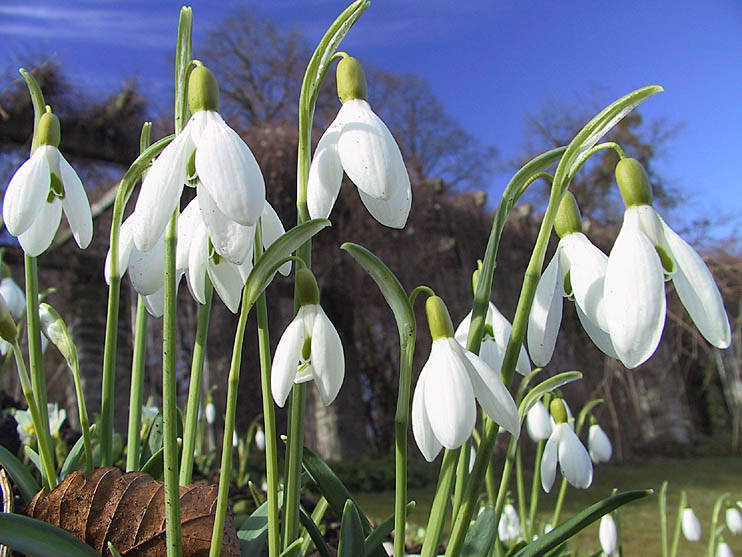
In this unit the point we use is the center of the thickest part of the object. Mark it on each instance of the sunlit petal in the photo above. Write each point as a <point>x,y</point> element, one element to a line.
<point>14,297</point>
<point>229,238</point>
<point>155,303</point>
<point>126,243</point>
<point>501,330</point>
<point>599,446</point>
<point>197,264</point>
<point>328,358</point>
<point>325,175</point>
<point>549,461</point>
<point>391,212</point>
<point>546,314</point>
<point>538,422</point>
<point>40,234</point>
<point>189,222</point>
<point>586,265</point>
<point>75,205</point>
<point>147,269</point>
<point>421,428</point>
<point>272,229</point>
<point>492,395</point>
<point>27,191</point>
<point>600,338</point>
<point>573,459</point>
<point>227,281</point>
<point>286,361</point>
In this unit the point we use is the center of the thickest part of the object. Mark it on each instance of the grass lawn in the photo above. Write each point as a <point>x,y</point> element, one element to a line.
<point>704,479</point>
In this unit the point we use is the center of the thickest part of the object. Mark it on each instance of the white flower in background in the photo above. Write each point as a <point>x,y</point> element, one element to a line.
<point>210,413</point>
<point>608,534</point>
<point>260,439</point>
<point>359,143</point>
<point>497,331</point>
<point>149,413</point>
<point>646,252</point>
<point>443,405</point>
<point>225,166</point>
<point>723,550</point>
<point>508,529</point>
<point>734,520</point>
<point>565,448</point>
<point>309,349</point>
<point>43,187</point>
<point>538,422</point>
<point>14,297</point>
<point>25,427</point>
<point>235,439</point>
<point>690,525</point>
<point>576,271</point>
<point>598,444</point>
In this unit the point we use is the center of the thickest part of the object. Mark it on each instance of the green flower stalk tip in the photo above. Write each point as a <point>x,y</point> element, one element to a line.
<point>475,276</point>
<point>558,411</point>
<point>633,183</point>
<point>49,131</point>
<point>439,321</point>
<point>203,90</point>
<point>568,219</point>
<point>351,81</point>
<point>8,330</point>
<point>307,291</point>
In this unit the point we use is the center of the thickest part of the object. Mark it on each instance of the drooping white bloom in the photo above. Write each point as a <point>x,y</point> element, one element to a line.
<point>538,422</point>
<point>690,525</point>
<point>210,413</point>
<point>235,439</point>
<point>598,444</point>
<point>723,550</point>
<point>260,439</point>
<point>14,297</point>
<point>734,520</point>
<point>497,331</point>
<point>40,190</point>
<point>508,529</point>
<point>608,534</point>
<point>566,448</point>
<point>310,349</point>
<point>443,405</point>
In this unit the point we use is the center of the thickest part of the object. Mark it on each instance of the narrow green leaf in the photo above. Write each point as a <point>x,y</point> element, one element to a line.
<point>480,536</point>
<point>293,548</point>
<point>587,516</point>
<point>37,100</point>
<point>314,533</point>
<point>33,456</point>
<point>74,457</point>
<point>523,385</point>
<point>546,387</point>
<point>584,413</point>
<point>274,256</point>
<point>34,537</point>
<point>18,472</point>
<point>380,533</point>
<point>113,550</point>
<point>352,543</point>
<point>253,533</point>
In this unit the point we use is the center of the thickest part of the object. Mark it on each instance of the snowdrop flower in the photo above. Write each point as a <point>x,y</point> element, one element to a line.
<point>149,413</point>
<point>25,427</point>
<point>14,297</point>
<point>359,143</point>
<point>310,348</point>
<point>260,439</point>
<point>576,271</point>
<point>443,406</point>
<point>508,529</point>
<point>646,252</point>
<point>538,422</point>
<point>43,187</point>
<point>608,534</point>
<point>210,413</point>
<point>690,525</point>
<point>598,444</point>
<point>734,520</point>
<point>224,165</point>
<point>723,550</point>
<point>565,447</point>
<point>235,439</point>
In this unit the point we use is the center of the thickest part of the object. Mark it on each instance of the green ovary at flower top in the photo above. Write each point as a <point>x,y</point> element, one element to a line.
<point>43,187</point>
<point>230,182</point>
<point>360,144</point>
<point>443,405</point>
<point>646,252</point>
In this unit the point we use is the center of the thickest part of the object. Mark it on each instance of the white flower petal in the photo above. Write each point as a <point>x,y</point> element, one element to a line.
<point>27,191</point>
<point>723,550</point>
<point>328,359</point>
<point>227,281</point>
<point>634,294</point>
<point>155,303</point>
<point>229,171</point>
<point>492,394</point>
<point>600,338</point>
<point>586,265</point>
<point>599,446</point>
<point>76,205</point>
<point>608,534</point>
<point>126,243</point>
<point>147,269</point>
<point>14,297</point>
<point>325,174</point>
<point>573,459</point>
<point>734,520</point>
<point>421,428</point>
<point>271,229</point>
<point>546,314</point>
<point>197,264</point>
<point>549,461</point>
<point>368,152</point>
<point>391,212</point>
<point>159,195</point>
<point>189,223</point>
<point>449,398</point>
<point>501,329</point>
<point>698,291</point>
<point>286,360</point>
<point>229,238</point>
<point>40,234</point>
<point>690,525</point>
<point>538,422</point>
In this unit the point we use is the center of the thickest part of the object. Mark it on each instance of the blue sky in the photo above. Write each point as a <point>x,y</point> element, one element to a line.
<point>492,63</point>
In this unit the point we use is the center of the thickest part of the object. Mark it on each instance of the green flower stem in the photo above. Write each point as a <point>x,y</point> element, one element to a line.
<point>678,525</point>
<point>83,415</point>
<point>35,359</point>
<point>507,470</point>
<point>462,472</point>
<point>714,520</point>
<point>521,492</point>
<point>49,476</point>
<point>295,449</point>
<point>194,387</point>
<point>269,416</point>
<point>225,473</point>
<point>559,502</point>
<point>137,384</point>
<point>662,503</point>
<point>535,487</point>
<point>109,362</point>
<point>438,510</point>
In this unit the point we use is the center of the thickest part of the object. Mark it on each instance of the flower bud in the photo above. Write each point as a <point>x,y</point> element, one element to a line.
<point>690,525</point>
<point>734,520</point>
<point>351,81</point>
<point>203,90</point>
<point>633,183</point>
<point>210,413</point>
<point>439,321</point>
<point>55,330</point>
<point>568,219</point>
<point>608,534</point>
<point>307,291</point>
<point>8,330</point>
<point>260,439</point>
<point>558,411</point>
<point>48,131</point>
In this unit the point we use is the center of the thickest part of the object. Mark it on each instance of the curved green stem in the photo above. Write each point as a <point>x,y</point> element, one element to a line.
<point>521,493</point>
<point>714,520</point>
<point>35,359</point>
<point>535,487</point>
<point>137,385</point>
<point>83,415</point>
<point>678,525</point>
<point>439,508</point>
<point>559,502</point>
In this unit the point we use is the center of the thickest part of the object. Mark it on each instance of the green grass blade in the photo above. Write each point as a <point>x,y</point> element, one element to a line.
<point>18,472</point>
<point>34,537</point>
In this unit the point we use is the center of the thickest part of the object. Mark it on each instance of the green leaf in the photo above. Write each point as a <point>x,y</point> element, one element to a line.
<point>479,538</point>
<point>19,473</point>
<point>584,412</point>
<point>276,254</point>
<point>72,462</point>
<point>293,548</point>
<point>253,533</point>
<point>314,533</point>
<point>37,100</point>
<point>380,533</point>
<point>390,287</point>
<point>33,456</point>
<point>113,550</point>
<point>352,543</point>
<point>587,516</point>
<point>546,387</point>
<point>34,537</point>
